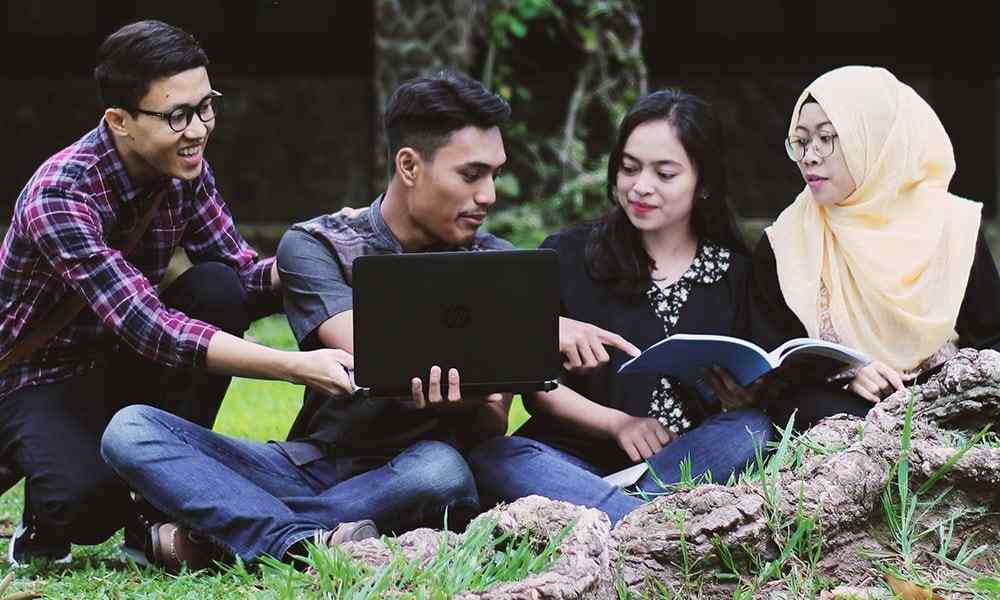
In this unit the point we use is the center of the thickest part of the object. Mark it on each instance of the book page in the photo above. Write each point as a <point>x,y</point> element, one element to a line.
<point>846,354</point>
<point>628,476</point>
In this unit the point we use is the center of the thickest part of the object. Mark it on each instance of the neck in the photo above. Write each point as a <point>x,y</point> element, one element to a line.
<point>670,242</point>
<point>137,168</point>
<point>396,214</point>
<point>672,249</point>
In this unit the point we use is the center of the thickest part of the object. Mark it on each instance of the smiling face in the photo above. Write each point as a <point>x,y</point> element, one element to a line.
<point>149,147</point>
<point>452,192</point>
<point>828,178</point>
<point>656,182</point>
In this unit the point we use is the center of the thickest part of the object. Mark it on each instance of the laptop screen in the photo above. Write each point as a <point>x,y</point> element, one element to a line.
<point>493,315</point>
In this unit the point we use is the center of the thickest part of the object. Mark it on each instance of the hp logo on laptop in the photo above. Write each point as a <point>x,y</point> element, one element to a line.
<point>456,316</point>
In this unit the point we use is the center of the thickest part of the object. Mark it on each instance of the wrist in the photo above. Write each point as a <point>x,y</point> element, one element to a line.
<point>288,366</point>
<point>614,422</point>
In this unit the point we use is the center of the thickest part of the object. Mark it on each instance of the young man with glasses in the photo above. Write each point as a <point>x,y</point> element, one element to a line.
<point>140,175</point>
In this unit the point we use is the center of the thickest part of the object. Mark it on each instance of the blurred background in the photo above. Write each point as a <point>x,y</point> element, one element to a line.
<point>305,82</point>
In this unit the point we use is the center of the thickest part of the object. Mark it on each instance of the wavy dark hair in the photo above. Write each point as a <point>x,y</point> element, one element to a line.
<point>615,254</point>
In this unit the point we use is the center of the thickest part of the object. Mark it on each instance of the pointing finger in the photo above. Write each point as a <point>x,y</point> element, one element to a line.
<point>613,339</point>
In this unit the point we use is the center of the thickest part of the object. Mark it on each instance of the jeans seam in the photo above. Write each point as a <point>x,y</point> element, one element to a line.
<point>179,433</point>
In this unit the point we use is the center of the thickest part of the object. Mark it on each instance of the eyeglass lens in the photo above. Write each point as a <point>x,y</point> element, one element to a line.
<point>180,118</point>
<point>822,145</point>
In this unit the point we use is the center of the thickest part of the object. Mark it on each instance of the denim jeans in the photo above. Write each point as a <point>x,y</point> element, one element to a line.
<point>514,467</point>
<point>52,431</point>
<point>251,499</point>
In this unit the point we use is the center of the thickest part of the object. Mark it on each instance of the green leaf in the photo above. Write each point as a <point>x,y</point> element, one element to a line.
<point>517,27</point>
<point>589,38</point>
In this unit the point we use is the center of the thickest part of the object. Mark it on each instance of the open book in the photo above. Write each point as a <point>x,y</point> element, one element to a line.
<point>686,356</point>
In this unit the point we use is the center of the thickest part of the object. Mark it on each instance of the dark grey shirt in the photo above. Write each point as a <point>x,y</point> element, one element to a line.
<point>315,260</point>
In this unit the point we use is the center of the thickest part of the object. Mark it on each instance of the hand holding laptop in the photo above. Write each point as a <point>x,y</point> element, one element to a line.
<point>434,392</point>
<point>328,370</point>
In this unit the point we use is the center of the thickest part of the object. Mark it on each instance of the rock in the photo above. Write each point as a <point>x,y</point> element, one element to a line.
<point>845,466</point>
<point>584,569</point>
<point>841,469</point>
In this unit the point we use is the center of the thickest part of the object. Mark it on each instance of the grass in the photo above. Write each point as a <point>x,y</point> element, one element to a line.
<point>264,410</point>
<point>254,409</point>
<point>480,560</point>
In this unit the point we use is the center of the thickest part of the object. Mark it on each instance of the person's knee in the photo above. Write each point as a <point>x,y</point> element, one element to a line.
<point>213,292</point>
<point>124,435</point>
<point>85,509</point>
<point>755,430</point>
<point>498,449</point>
<point>441,476</point>
<point>758,423</point>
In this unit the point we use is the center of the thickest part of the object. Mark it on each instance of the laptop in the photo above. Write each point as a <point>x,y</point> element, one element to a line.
<point>493,315</point>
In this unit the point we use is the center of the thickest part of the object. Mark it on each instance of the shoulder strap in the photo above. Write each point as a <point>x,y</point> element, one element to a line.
<point>71,304</point>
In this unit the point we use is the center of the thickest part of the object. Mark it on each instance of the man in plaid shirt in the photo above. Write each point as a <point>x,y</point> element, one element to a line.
<point>132,342</point>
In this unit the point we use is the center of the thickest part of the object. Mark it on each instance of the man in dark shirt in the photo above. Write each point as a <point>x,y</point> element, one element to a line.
<point>130,342</point>
<point>348,460</point>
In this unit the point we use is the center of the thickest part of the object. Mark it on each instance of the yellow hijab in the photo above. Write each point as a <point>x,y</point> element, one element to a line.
<point>896,254</point>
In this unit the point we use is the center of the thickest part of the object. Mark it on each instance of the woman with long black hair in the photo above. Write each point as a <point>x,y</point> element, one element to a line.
<point>666,258</point>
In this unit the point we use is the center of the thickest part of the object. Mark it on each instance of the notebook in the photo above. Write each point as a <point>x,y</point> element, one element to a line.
<point>493,315</point>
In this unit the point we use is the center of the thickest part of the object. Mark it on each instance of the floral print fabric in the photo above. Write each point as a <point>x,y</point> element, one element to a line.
<point>709,266</point>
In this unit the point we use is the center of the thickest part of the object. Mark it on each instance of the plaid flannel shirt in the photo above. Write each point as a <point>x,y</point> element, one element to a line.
<point>75,206</point>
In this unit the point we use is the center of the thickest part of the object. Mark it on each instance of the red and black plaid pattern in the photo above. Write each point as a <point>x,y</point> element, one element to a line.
<point>75,207</point>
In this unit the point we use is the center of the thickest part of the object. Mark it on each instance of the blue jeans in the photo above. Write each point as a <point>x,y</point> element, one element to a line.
<point>251,499</point>
<point>513,467</point>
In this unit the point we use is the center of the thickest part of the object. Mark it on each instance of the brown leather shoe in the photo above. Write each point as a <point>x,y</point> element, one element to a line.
<point>171,546</point>
<point>351,531</point>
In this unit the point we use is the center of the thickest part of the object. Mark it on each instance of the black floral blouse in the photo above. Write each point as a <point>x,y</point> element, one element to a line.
<point>709,266</point>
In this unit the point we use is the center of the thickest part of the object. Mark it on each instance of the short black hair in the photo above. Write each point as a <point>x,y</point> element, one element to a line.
<point>139,53</point>
<point>423,112</point>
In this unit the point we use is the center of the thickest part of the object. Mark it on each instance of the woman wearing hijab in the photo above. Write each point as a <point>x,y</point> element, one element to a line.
<point>667,258</point>
<point>874,253</point>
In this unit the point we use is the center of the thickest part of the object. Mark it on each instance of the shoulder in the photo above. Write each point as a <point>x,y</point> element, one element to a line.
<point>297,242</point>
<point>69,170</point>
<point>762,259</point>
<point>345,226</point>
<point>65,185</point>
<point>739,264</point>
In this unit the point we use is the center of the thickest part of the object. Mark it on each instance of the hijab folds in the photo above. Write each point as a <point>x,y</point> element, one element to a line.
<point>895,255</point>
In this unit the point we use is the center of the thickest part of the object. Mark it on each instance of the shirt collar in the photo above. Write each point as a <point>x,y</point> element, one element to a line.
<point>710,264</point>
<point>381,228</point>
<point>387,237</point>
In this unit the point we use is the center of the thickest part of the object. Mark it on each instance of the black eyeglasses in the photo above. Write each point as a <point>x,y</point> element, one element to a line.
<point>822,144</point>
<point>180,118</point>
